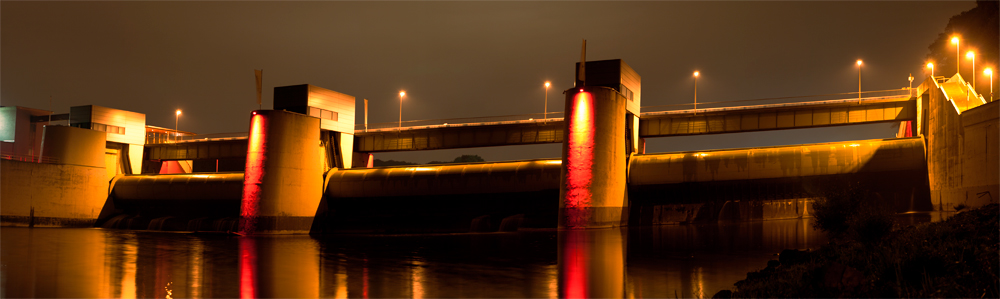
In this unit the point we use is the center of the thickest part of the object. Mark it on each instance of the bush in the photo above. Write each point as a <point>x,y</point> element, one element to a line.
<point>854,212</point>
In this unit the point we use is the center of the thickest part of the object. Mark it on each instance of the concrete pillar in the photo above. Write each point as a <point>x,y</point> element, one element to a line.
<point>592,188</point>
<point>283,181</point>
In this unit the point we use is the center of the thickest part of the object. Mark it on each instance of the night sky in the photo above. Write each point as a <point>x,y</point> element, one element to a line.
<point>456,59</point>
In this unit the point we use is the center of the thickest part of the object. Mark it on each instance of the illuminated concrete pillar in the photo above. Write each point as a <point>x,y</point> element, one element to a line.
<point>283,181</point>
<point>592,188</point>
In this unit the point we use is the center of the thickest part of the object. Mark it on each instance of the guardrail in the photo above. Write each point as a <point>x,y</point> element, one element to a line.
<point>29,158</point>
<point>204,137</point>
<point>461,122</point>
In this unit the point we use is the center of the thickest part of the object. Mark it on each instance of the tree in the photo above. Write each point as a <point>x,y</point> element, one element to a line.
<point>978,29</point>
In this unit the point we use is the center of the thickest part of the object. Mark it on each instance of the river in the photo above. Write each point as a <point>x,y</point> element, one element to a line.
<point>684,261</point>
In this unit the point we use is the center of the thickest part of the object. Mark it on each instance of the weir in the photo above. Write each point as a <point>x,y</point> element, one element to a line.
<point>301,169</point>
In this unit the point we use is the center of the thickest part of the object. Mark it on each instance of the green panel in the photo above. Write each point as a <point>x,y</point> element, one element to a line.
<point>8,122</point>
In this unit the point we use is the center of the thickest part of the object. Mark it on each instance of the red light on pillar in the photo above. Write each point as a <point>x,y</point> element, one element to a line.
<point>580,160</point>
<point>371,160</point>
<point>253,178</point>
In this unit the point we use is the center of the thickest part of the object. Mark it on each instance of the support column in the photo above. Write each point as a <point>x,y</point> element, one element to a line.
<point>592,188</point>
<point>283,182</point>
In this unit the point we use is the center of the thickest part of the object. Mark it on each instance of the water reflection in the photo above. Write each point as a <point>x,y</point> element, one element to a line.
<point>687,261</point>
<point>591,263</point>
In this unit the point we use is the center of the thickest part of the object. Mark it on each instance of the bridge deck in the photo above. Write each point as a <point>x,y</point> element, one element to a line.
<point>777,116</point>
<point>895,105</point>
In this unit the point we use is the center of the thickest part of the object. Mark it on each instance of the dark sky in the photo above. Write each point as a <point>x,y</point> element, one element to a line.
<point>455,59</point>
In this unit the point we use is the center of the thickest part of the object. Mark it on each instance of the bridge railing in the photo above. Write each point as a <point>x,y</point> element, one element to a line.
<point>199,138</point>
<point>28,158</point>
<point>810,99</point>
<point>461,122</point>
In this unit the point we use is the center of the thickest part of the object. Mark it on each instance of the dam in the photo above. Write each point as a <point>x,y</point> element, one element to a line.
<point>305,167</point>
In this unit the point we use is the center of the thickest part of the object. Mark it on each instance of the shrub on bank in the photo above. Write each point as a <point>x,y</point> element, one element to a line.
<point>959,257</point>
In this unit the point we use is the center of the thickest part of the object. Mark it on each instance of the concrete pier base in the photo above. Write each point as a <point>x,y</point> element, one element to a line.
<point>283,182</point>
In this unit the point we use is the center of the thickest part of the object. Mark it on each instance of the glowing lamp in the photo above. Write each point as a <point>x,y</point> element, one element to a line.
<point>970,55</point>
<point>954,40</point>
<point>696,73</point>
<point>859,62</point>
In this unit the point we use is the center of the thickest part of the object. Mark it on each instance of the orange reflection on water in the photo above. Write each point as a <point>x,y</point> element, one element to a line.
<point>591,263</point>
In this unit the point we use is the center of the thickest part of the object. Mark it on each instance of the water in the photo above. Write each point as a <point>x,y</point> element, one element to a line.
<point>686,261</point>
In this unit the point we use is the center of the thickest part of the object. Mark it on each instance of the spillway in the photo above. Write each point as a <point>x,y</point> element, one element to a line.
<point>196,202</point>
<point>458,197</point>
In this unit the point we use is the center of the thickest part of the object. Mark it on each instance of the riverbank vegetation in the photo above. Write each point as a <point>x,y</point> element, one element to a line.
<point>959,257</point>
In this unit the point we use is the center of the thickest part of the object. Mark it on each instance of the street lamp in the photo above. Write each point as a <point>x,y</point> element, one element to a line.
<point>401,94</point>
<point>911,83</point>
<point>989,72</point>
<point>958,54</point>
<point>859,81</point>
<point>545,114</point>
<point>177,132</point>
<point>930,65</point>
<point>696,74</point>
<point>972,55</point>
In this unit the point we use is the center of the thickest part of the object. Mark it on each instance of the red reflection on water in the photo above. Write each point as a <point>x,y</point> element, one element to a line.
<point>371,161</point>
<point>248,268</point>
<point>574,259</point>
<point>364,278</point>
<point>580,160</point>
<point>253,175</point>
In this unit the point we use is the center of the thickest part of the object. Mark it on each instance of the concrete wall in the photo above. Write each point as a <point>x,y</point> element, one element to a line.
<point>74,146</point>
<point>298,98</point>
<point>51,194</point>
<point>133,122</point>
<point>962,152</point>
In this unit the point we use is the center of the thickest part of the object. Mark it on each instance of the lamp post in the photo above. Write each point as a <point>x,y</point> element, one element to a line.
<point>958,54</point>
<point>972,55</point>
<point>930,65</point>
<point>696,74</point>
<point>401,94</point>
<point>989,72</point>
<point>911,83</point>
<point>545,113</point>
<point>177,116</point>
<point>859,81</point>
